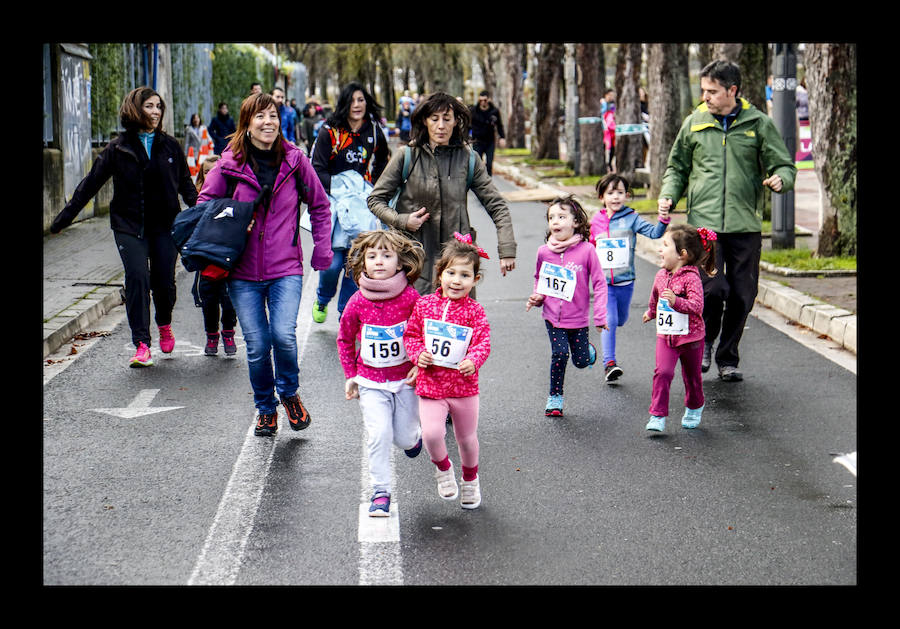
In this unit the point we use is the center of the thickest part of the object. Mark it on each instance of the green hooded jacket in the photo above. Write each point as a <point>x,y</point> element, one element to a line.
<point>722,172</point>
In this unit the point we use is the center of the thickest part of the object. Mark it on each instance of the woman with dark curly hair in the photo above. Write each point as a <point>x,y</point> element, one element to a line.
<point>350,140</point>
<point>149,172</point>
<point>431,205</point>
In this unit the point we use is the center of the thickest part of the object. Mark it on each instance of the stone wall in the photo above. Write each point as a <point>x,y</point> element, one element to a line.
<point>54,193</point>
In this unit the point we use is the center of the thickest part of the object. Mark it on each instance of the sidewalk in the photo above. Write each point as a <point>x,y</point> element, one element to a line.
<point>776,291</point>
<point>83,275</point>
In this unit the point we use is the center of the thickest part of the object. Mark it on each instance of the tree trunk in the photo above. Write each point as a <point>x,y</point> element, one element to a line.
<point>592,79</point>
<point>546,101</point>
<point>664,83</point>
<point>629,147</point>
<point>686,97</point>
<point>831,81</point>
<point>513,108</point>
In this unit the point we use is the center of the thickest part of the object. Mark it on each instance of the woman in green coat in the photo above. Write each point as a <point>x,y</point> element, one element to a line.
<point>432,201</point>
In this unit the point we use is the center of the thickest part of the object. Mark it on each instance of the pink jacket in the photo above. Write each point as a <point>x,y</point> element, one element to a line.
<point>688,288</point>
<point>438,382</point>
<point>581,258</point>
<point>360,311</point>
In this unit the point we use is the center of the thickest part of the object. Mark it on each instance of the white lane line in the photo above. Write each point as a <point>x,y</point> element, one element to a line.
<point>848,461</point>
<point>380,562</point>
<point>220,559</point>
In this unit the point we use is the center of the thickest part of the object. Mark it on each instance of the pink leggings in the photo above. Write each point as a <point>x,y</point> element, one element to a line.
<point>433,416</point>
<point>691,355</point>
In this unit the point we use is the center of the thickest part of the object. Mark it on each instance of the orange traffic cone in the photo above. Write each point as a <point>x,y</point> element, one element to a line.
<point>204,152</point>
<point>193,167</point>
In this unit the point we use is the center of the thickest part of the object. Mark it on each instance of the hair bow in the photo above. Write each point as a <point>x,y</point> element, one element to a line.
<point>467,239</point>
<point>706,236</point>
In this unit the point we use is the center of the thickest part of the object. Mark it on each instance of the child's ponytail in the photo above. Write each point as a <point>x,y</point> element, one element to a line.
<point>699,243</point>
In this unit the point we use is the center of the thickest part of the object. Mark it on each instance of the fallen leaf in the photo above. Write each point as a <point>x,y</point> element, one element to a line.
<point>73,350</point>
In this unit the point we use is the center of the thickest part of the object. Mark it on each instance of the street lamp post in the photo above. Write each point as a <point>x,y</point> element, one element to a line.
<point>784,114</point>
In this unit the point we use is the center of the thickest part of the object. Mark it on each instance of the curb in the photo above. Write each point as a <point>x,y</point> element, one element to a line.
<point>65,325</point>
<point>836,323</point>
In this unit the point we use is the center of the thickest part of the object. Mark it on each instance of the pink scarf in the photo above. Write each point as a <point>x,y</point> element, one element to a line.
<point>382,290</point>
<point>558,246</point>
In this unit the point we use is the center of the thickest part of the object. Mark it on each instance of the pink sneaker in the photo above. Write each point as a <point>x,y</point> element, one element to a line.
<point>142,357</point>
<point>228,342</point>
<point>166,339</point>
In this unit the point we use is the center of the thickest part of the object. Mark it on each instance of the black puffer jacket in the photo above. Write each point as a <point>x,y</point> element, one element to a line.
<point>145,190</point>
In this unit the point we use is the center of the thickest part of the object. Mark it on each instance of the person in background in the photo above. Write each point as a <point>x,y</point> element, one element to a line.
<point>287,114</point>
<point>350,139</point>
<point>486,124</point>
<point>266,283</point>
<point>404,119</point>
<point>255,88</point>
<point>220,128</point>
<point>149,172</point>
<point>312,121</point>
<point>193,135</point>
<point>212,294</point>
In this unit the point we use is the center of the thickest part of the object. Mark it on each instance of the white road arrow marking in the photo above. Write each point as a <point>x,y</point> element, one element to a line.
<point>138,407</point>
<point>848,461</point>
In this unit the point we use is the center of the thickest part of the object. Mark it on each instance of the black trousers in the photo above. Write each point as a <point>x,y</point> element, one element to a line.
<point>213,297</point>
<point>149,270</point>
<point>728,296</point>
<point>486,152</point>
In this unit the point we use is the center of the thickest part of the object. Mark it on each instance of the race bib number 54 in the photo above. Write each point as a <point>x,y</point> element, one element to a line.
<point>669,320</point>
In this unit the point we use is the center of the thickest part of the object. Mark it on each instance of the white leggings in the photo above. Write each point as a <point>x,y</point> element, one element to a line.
<point>390,418</point>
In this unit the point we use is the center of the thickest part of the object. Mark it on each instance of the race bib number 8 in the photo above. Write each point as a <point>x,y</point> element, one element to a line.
<point>670,321</point>
<point>382,345</point>
<point>613,252</point>
<point>556,281</point>
<point>447,342</point>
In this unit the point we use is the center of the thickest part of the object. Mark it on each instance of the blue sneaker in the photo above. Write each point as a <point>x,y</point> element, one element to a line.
<point>413,452</point>
<point>381,505</point>
<point>593,358</point>
<point>691,417</point>
<point>554,406</point>
<point>656,423</point>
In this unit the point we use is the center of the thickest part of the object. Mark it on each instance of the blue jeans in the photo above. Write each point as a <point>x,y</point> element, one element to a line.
<point>268,336</point>
<point>618,301</point>
<point>328,281</point>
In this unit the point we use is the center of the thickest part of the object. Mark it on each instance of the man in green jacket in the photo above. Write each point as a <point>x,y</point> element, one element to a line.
<point>725,155</point>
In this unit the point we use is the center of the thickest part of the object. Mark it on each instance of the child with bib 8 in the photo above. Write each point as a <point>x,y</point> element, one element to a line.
<point>449,339</point>
<point>614,230</point>
<point>568,270</point>
<point>676,304</point>
<point>384,264</point>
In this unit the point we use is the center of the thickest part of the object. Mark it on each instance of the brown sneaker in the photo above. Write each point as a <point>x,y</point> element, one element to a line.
<point>298,417</point>
<point>266,424</point>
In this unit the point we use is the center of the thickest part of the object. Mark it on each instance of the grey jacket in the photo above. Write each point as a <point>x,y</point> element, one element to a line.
<point>437,182</point>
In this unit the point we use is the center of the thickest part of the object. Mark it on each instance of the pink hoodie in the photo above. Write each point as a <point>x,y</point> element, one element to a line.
<point>581,258</point>
<point>377,302</point>
<point>438,382</point>
<point>688,288</point>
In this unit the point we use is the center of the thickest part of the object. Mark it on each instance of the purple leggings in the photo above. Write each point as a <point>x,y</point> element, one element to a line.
<point>691,355</point>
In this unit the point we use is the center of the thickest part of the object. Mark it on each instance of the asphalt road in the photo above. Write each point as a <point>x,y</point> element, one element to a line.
<point>187,495</point>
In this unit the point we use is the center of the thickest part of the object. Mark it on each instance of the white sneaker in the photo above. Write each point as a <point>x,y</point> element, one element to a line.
<point>446,483</point>
<point>470,493</point>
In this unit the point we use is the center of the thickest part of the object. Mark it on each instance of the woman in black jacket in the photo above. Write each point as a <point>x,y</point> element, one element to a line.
<point>350,139</point>
<point>149,171</point>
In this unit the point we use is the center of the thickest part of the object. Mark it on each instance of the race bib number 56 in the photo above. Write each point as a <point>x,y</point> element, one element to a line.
<point>447,342</point>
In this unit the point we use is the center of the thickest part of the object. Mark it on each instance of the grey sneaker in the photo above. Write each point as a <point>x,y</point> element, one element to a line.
<point>707,357</point>
<point>730,373</point>
<point>470,493</point>
<point>446,483</point>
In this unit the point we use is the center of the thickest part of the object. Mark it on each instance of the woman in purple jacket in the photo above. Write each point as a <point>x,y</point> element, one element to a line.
<point>266,283</point>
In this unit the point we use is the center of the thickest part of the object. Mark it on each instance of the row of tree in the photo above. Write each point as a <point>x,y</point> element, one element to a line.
<point>528,83</point>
